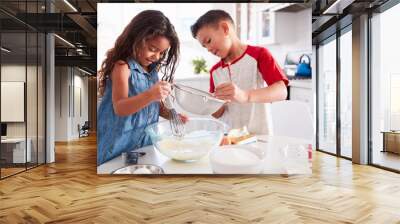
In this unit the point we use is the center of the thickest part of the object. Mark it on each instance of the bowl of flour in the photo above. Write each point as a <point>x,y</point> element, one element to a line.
<point>237,159</point>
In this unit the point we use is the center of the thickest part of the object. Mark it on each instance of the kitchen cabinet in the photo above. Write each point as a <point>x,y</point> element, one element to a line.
<point>391,141</point>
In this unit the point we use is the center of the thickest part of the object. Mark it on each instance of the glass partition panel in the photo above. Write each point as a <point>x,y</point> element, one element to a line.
<point>385,89</point>
<point>327,96</point>
<point>14,154</point>
<point>31,98</point>
<point>346,94</point>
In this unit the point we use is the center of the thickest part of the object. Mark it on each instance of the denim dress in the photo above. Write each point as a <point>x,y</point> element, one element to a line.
<point>117,134</point>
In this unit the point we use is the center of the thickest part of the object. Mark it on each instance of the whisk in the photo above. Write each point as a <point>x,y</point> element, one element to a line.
<point>176,123</point>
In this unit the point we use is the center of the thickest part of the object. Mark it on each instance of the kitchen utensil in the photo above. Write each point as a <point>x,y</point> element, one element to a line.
<point>229,72</point>
<point>237,159</point>
<point>177,127</point>
<point>196,101</point>
<point>249,140</point>
<point>221,76</point>
<point>139,169</point>
<point>304,67</point>
<point>131,157</point>
<point>201,135</point>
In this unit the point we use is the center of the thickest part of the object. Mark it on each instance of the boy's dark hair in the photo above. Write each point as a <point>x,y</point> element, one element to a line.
<point>211,17</point>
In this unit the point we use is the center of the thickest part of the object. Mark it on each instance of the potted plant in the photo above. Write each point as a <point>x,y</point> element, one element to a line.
<point>200,65</point>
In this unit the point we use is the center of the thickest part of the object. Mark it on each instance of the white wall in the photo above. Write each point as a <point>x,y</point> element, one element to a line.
<point>78,118</point>
<point>293,33</point>
<point>293,29</point>
<point>33,127</point>
<point>68,81</point>
<point>15,72</point>
<point>112,19</point>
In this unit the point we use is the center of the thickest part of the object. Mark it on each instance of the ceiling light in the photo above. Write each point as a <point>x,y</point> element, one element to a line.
<point>84,71</point>
<point>64,40</point>
<point>70,5</point>
<point>5,50</point>
<point>338,6</point>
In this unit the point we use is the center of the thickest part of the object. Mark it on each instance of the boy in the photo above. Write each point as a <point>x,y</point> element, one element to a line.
<point>249,69</point>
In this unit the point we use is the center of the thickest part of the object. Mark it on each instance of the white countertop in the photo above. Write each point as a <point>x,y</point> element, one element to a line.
<point>13,140</point>
<point>275,161</point>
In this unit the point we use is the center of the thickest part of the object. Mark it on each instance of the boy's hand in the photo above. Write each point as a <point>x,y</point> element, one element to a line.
<point>231,92</point>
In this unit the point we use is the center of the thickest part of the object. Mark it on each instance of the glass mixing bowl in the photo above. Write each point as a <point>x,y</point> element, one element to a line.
<point>201,135</point>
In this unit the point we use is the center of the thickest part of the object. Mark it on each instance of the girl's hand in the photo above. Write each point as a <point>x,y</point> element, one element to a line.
<point>231,92</point>
<point>183,118</point>
<point>160,90</point>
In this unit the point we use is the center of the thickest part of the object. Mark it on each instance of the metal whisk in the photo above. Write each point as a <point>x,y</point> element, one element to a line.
<point>176,123</point>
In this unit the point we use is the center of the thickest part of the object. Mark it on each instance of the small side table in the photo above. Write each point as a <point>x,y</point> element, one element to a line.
<point>391,141</point>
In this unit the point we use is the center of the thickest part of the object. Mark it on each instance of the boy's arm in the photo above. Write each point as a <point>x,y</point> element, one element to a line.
<point>272,93</point>
<point>230,91</point>
<point>272,75</point>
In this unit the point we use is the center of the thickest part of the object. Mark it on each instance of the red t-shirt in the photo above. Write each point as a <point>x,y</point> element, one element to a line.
<point>254,61</point>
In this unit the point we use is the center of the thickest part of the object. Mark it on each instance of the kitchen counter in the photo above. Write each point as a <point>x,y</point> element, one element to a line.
<point>193,77</point>
<point>301,83</point>
<point>275,161</point>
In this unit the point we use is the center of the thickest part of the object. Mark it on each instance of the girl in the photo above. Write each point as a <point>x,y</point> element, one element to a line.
<point>128,82</point>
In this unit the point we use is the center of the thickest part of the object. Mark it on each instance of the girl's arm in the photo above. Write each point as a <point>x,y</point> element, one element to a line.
<point>124,105</point>
<point>164,112</point>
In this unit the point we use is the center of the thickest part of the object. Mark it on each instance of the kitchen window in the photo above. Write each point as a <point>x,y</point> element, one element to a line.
<point>346,92</point>
<point>22,76</point>
<point>385,89</point>
<point>327,96</point>
<point>334,95</point>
